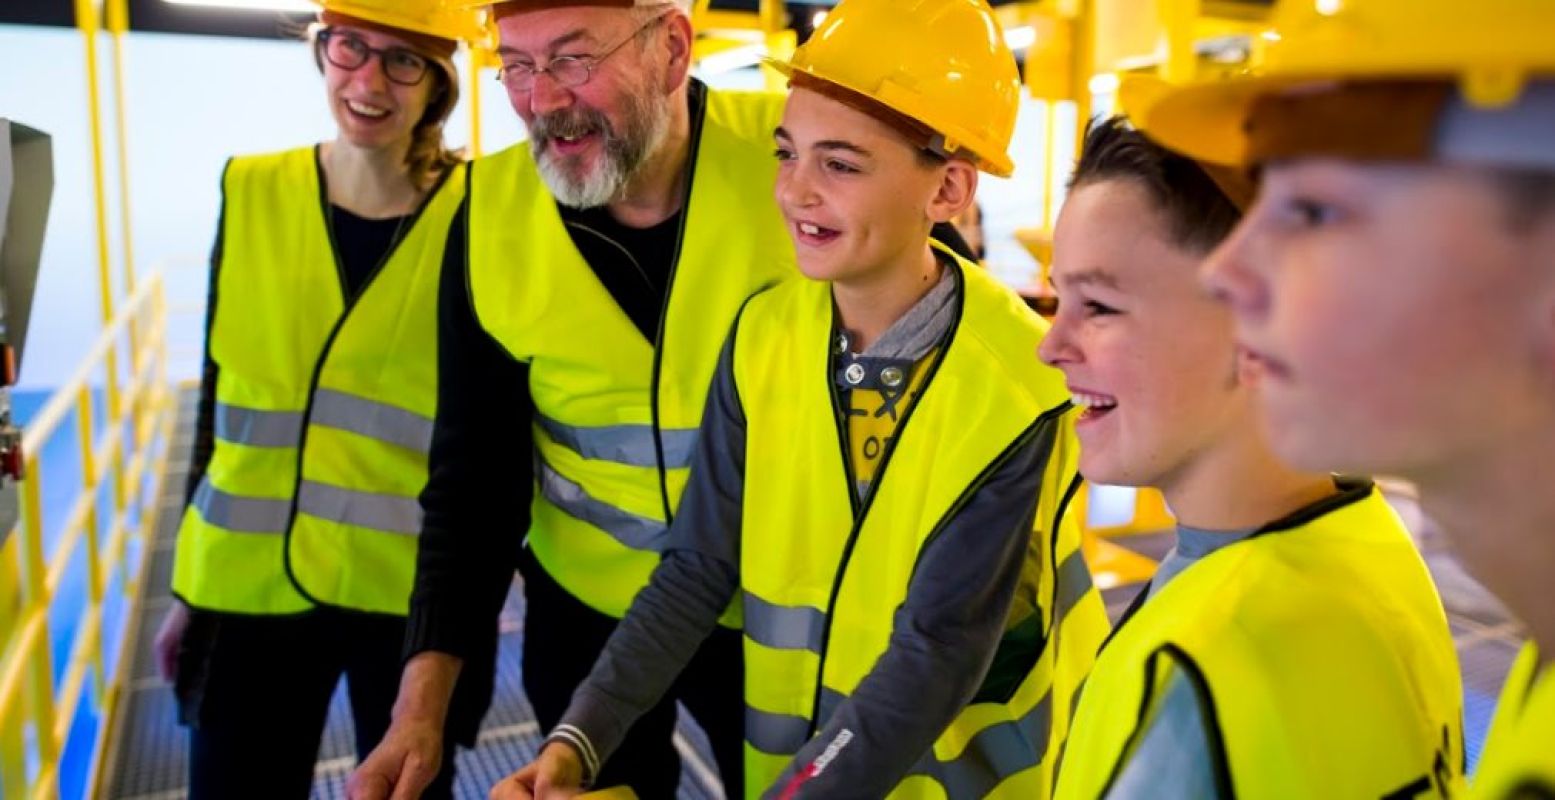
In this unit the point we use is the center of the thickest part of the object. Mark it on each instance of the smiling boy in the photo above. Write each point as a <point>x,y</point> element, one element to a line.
<point>1291,644</point>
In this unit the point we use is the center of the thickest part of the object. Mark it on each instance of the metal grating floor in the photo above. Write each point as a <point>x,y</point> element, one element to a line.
<point>147,757</point>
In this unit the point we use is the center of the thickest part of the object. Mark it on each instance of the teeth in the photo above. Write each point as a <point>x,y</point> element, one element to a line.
<point>811,230</point>
<point>1093,400</point>
<point>366,110</point>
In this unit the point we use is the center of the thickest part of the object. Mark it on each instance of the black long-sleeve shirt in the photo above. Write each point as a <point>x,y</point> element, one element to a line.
<point>476,501</point>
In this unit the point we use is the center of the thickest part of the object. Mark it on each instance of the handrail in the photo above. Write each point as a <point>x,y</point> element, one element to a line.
<point>60,403</point>
<point>123,447</point>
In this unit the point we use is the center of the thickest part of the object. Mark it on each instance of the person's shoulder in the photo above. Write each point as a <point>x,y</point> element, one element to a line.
<point>750,115</point>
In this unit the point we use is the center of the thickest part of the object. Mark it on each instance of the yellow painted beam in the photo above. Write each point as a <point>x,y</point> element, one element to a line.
<point>714,20</point>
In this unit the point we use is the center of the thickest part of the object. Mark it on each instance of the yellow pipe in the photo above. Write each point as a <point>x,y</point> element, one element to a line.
<point>721,20</point>
<point>89,25</point>
<point>1178,18</point>
<point>47,786</point>
<point>14,671</point>
<point>13,759</point>
<point>1049,169</point>
<point>1084,67</point>
<point>40,679</point>
<point>774,15</point>
<point>476,57</point>
<point>118,24</point>
<point>89,484</point>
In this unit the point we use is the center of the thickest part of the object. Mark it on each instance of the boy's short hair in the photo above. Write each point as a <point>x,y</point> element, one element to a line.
<point>1199,214</point>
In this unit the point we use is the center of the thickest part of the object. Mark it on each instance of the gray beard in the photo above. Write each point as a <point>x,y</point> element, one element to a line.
<point>647,126</point>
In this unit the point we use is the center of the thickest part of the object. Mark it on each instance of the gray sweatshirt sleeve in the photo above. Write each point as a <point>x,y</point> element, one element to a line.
<point>693,584</point>
<point>943,638</point>
<point>1176,758</point>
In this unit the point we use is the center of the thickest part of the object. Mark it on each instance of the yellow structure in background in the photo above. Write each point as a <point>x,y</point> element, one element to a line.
<point>744,36</point>
<point>121,446</point>
<point>119,449</point>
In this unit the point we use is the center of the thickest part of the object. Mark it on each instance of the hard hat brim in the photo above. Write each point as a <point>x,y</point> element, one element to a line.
<point>998,164</point>
<point>1204,121</point>
<point>403,23</point>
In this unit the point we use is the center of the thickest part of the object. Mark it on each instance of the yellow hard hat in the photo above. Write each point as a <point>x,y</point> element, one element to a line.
<point>439,18</point>
<point>1489,49</point>
<point>941,63</point>
<point>537,5</point>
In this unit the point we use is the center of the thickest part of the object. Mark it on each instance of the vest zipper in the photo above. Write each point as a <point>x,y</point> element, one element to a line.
<point>861,507</point>
<point>698,120</point>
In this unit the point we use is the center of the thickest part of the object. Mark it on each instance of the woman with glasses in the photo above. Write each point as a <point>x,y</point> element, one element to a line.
<point>296,553</point>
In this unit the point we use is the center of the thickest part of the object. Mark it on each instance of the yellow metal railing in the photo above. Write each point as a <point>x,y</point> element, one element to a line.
<point>120,448</point>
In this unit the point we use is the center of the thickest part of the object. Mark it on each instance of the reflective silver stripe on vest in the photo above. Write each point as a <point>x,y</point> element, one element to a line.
<point>994,754</point>
<point>638,533</point>
<point>370,418</point>
<point>784,627</point>
<point>623,444</point>
<point>331,409</point>
<point>775,734</point>
<point>241,514</point>
<point>1074,581</point>
<point>257,427</point>
<point>381,512</point>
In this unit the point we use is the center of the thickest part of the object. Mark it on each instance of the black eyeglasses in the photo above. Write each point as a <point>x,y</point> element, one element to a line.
<point>568,71</point>
<point>400,65</point>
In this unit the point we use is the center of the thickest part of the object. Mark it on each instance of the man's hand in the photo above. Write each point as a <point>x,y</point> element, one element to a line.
<point>411,753</point>
<point>402,765</point>
<point>556,775</point>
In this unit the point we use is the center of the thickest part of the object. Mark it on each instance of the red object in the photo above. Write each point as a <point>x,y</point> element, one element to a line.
<point>12,463</point>
<point>799,779</point>
<point>9,377</point>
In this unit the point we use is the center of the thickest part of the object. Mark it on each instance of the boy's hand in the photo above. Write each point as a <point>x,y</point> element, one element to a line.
<point>556,775</point>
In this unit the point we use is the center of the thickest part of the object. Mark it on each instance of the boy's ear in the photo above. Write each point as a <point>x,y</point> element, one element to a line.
<point>956,191</point>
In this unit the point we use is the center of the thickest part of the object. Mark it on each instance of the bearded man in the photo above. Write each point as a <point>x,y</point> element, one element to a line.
<point>588,284</point>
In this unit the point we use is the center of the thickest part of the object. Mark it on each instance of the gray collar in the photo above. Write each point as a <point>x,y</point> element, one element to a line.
<point>923,326</point>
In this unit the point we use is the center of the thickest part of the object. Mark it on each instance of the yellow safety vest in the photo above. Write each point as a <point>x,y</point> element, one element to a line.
<point>616,415</point>
<point>323,414</point>
<point>1325,651</point>
<point>821,579</point>
<point>1518,762</point>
